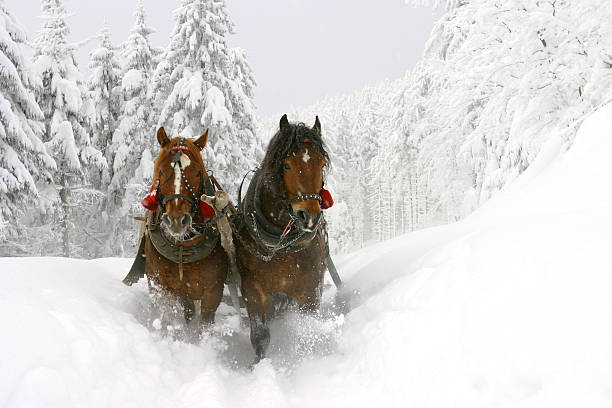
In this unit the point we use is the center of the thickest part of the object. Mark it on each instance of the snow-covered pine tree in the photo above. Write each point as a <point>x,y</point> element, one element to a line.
<point>23,157</point>
<point>202,83</point>
<point>134,139</point>
<point>60,94</point>
<point>104,87</point>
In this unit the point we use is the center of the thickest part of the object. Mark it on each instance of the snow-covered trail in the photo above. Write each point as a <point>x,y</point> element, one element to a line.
<point>509,308</point>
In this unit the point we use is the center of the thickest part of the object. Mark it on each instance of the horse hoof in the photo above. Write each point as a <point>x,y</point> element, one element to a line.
<point>259,355</point>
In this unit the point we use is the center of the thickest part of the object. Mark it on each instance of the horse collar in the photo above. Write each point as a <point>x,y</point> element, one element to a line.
<point>266,234</point>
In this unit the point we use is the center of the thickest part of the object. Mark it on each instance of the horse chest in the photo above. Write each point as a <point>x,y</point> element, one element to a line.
<point>199,277</point>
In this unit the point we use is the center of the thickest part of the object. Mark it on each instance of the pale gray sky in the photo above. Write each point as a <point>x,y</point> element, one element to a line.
<point>300,50</point>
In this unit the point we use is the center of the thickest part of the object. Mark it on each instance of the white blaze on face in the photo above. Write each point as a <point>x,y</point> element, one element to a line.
<point>306,156</point>
<point>178,179</point>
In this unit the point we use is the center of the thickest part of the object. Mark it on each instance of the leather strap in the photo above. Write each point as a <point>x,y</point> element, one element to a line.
<point>265,233</point>
<point>193,250</point>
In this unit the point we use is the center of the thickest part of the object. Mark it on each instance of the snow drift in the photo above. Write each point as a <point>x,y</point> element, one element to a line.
<point>509,308</point>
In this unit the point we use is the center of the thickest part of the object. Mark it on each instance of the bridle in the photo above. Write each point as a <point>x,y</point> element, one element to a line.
<point>300,197</point>
<point>289,210</point>
<point>305,197</point>
<point>270,238</point>
<point>193,199</point>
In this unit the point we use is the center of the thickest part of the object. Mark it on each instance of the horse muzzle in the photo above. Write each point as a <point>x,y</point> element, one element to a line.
<point>306,221</point>
<point>176,226</point>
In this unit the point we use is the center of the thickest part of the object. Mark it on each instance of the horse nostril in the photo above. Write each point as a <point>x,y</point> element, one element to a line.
<point>302,215</point>
<point>165,219</point>
<point>185,220</point>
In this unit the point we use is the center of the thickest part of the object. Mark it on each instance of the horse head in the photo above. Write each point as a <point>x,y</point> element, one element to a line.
<point>302,167</point>
<point>180,176</point>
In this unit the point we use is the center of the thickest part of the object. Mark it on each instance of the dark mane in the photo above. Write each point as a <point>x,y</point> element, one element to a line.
<point>283,143</point>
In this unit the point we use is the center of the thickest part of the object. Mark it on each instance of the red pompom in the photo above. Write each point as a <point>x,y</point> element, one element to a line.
<point>206,209</point>
<point>326,199</point>
<point>150,202</point>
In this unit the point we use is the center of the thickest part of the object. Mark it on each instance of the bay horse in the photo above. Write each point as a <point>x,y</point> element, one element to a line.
<point>281,246</point>
<point>183,255</point>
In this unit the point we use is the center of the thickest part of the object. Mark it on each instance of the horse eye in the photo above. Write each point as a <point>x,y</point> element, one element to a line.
<point>287,166</point>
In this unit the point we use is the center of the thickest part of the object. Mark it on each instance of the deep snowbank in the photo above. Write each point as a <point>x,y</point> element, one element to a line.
<point>510,308</point>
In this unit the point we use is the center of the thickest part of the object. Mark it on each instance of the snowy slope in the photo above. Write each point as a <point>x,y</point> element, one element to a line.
<point>509,308</point>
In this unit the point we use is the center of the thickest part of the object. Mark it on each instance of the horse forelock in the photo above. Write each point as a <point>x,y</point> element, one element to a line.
<point>166,155</point>
<point>283,144</point>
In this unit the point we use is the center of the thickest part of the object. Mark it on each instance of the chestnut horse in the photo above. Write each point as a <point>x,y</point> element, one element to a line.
<point>281,245</point>
<point>183,255</point>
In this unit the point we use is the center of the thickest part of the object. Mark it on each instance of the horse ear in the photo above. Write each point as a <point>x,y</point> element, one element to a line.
<point>162,137</point>
<point>284,124</point>
<point>201,141</point>
<point>317,126</point>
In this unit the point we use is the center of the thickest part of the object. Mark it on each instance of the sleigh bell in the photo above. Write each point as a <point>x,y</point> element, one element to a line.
<point>326,199</point>
<point>151,202</point>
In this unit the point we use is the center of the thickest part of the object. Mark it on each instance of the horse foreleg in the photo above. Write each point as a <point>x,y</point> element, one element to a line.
<point>260,332</point>
<point>188,308</point>
<point>260,336</point>
<point>210,302</point>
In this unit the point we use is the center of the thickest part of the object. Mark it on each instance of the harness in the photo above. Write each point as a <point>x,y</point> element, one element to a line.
<point>270,238</point>
<point>192,250</point>
<point>198,247</point>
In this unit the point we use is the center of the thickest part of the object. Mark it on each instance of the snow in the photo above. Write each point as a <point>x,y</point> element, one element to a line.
<point>69,93</point>
<point>215,109</point>
<point>133,80</point>
<point>508,308</point>
<point>63,141</point>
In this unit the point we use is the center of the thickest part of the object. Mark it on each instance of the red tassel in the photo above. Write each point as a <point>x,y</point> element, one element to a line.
<point>206,209</point>
<point>150,202</point>
<point>326,199</point>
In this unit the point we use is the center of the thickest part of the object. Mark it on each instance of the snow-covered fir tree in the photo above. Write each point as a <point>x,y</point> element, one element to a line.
<point>61,94</point>
<point>23,157</point>
<point>134,139</point>
<point>104,86</point>
<point>202,83</point>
